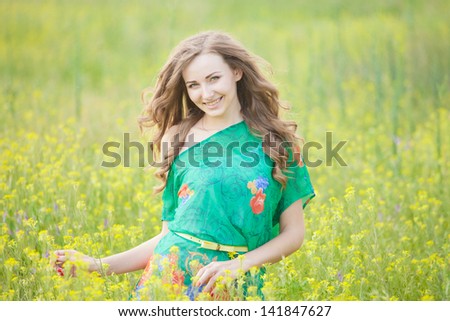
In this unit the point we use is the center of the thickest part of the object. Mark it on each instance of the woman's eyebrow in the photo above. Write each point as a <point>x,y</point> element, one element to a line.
<point>193,81</point>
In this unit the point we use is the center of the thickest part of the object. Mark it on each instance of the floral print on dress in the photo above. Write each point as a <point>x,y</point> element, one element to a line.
<point>166,267</point>
<point>185,193</point>
<point>257,188</point>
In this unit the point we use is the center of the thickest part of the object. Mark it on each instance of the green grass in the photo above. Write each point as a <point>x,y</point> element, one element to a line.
<point>374,74</point>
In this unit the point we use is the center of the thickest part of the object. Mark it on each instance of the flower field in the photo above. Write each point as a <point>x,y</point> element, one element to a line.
<point>373,75</point>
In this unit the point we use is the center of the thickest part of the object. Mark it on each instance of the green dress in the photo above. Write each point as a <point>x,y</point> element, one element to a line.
<point>221,190</point>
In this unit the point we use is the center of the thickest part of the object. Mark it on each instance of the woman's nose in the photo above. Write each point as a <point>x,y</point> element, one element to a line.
<point>206,92</point>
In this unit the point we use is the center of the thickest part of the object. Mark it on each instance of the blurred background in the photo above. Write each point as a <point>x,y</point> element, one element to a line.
<point>375,74</point>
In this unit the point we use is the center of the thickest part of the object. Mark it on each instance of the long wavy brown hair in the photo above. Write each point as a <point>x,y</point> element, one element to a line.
<point>260,106</point>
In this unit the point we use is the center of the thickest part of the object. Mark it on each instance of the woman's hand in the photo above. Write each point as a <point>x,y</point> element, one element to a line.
<point>209,273</point>
<point>63,256</point>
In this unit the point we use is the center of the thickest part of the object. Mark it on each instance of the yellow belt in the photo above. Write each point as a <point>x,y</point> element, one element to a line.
<point>212,245</point>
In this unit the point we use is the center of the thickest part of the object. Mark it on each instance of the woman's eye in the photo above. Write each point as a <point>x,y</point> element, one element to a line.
<point>192,86</point>
<point>214,78</point>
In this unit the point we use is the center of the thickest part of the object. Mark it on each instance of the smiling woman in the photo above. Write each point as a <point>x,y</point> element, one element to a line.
<point>211,85</point>
<point>217,220</point>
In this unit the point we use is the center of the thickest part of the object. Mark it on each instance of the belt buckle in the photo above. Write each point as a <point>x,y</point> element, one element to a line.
<point>210,245</point>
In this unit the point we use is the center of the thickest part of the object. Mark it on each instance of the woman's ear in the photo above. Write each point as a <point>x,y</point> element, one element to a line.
<point>237,74</point>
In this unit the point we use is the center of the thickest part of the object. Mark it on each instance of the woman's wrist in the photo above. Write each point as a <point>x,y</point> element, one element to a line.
<point>95,265</point>
<point>247,263</point>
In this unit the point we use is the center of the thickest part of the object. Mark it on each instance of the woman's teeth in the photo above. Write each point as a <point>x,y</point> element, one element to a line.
<point>212,103</point>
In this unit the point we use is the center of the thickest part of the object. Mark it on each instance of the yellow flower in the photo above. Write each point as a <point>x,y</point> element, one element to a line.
<point>174,250</point>
<point>81,206</point>
<point>11,262</point>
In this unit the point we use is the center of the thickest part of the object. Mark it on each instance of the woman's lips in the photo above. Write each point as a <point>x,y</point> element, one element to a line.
<point>213,103</point>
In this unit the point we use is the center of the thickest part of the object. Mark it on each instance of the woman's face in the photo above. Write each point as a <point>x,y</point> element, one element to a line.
<point>211,85</point>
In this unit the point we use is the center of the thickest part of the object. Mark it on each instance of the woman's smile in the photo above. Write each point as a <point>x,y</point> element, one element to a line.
<point>213,104</point>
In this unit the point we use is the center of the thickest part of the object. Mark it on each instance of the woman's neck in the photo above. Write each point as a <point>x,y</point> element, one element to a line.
<point>209,123</point>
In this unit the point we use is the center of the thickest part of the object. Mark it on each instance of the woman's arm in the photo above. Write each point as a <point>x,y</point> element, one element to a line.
<point>133,259</point>
<point>128,261</point>
<point>290,239</point>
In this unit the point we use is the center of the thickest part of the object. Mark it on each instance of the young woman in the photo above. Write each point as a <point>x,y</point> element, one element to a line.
<point>242,178</point>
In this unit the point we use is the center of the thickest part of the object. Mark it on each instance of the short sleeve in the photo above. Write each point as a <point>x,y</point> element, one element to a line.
<point>169,199</point>
<point>298,186</point>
